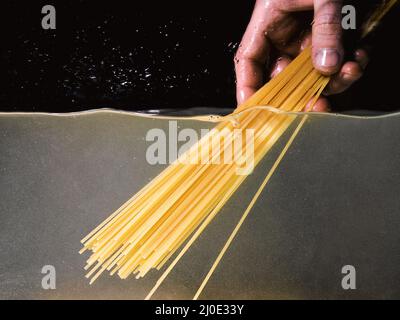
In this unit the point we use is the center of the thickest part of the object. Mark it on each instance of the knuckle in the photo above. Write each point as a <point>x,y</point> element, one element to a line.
<point>328,25</point>
<point>238,57</point>
<point>240,54</point>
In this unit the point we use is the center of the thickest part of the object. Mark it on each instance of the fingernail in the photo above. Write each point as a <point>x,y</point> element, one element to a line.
<point>327,58</point>
<point>277,69</point>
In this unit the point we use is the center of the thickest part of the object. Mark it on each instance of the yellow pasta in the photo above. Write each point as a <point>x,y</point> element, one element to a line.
<point>148,229</point>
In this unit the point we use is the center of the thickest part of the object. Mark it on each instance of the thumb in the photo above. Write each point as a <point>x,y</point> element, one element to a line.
<point>327,36</point>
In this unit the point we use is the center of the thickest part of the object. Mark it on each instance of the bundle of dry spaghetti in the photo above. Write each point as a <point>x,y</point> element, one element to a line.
<point>146,231</point>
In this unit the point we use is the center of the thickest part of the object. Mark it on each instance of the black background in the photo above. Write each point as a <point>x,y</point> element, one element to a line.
<point>149,55</point>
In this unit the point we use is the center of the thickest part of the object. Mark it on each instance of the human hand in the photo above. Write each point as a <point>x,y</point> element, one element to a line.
<point>279,30</point>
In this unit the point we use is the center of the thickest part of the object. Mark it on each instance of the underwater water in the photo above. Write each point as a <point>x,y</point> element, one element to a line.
<point>333,201</point>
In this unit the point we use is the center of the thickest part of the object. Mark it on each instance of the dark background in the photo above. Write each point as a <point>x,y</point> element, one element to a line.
<point>150,55</point>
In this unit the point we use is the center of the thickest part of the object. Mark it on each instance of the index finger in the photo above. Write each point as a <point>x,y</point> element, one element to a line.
<point>252,55</point>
